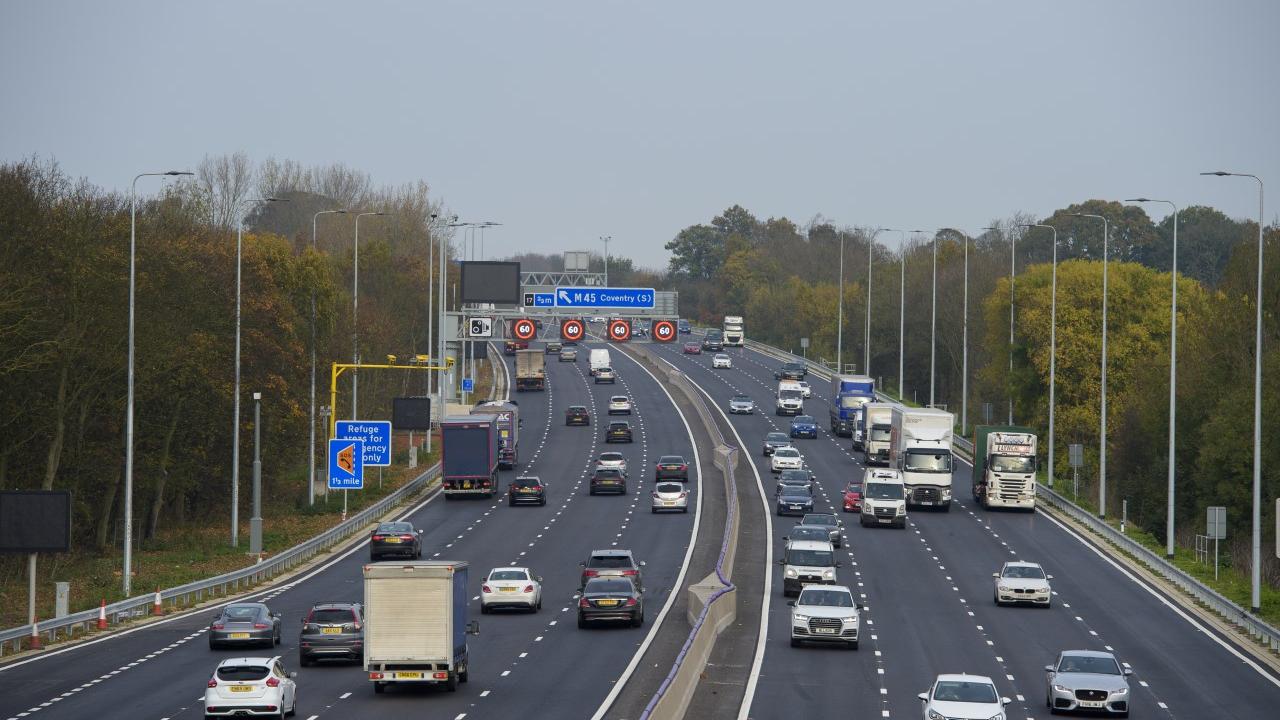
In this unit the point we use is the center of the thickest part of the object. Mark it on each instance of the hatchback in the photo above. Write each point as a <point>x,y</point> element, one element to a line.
<point>692,348</point>
<point>577,415</point>
<point>615,460</point>
<point>250,686</point>
<point>607,480</point>
<point>568,355</point>
<point>619,431</point>
<point>605,375</point>
<point>526,490</point>
<point>853,497</point>
<point>670,496</point>
<point>245,624</point>
<point>721,361</point>
<point>332,630</point>
<point>611,563</point>
<point>804,426</point>
<point>775,440</point>
<point>554,347</point>
<point>619,405</point>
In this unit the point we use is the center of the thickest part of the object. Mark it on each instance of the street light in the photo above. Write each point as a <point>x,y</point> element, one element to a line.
<point>933,318</point>
<point>1102,440</point>
<point>311,475</point>
<point>355,318</point>
<point>964,343</point>
<point>235,402</point>
<point>1173,372</point>
<point>1053,338</point>
<point>1013,263</point>
<point>484,225</point>
<point>605,239</point>
<point>902,303</point>
<point>128,414</point>
<point>866,336</point>
<point>1256,597</point>
<point>840,313</point>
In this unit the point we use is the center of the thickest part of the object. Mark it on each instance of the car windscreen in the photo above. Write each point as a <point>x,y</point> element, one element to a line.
<point>527,482</point>
<point>671,460</point>
<point>609,561</point>
<point>882,491</point>
<point>608,586</point>
<point>508,575</point>
<point>608,472</point>
<point>808,532</point>
<point>825,598</point>
<point>670,488</point>
<point>619,426</point>
<point>331,616</point>
<point>962,691</point>
<point>829,520</point>
<point>803,419</point>
<point>880,433</point>
<point>1089,664</point>
<point>611,457</point>
<point>618,398</point>
<point>240,613</point>
<point>1024,571</point>
<point>854,488</point>
<point>396,527</point>
<point>812,558</point>
<point>796,475</point>
<point>938,461</point>
<point>577,408</point>
<point>240,673</point>
<point>741,399</point>
<point>1013,464</point>
<point>777,437</point>
<point>786,452</point>
<point>789,394</point>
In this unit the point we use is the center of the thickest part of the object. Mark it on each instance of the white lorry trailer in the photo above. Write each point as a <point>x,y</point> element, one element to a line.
<point>415,623</point>
<point>734,335</point>
<point>920,446</point>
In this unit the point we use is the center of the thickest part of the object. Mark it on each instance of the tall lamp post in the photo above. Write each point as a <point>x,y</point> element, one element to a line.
<point>964,344</point>
<point>235,402</point>
<point>902,303</point>
<point>1256,597</point>
<point>1102,432</point>
<point>605,239</point>
<point>840,313</point>
<point>1013,266</point>
<point>311,475</point>
<point>355,318</point>
<point>1053,339</point>
<point>1173,373</point>
<point>866,335</point>
<point>128,413</point>
<point>933,317</point>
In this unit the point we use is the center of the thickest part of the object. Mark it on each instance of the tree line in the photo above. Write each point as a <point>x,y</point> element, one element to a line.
<point>783,277</point>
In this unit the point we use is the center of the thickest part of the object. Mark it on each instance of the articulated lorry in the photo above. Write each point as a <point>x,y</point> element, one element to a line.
<point>848,394</point>
<point>469,455</point>
<point>920,446</point>
<point>1004,466</point>
<point>531,370</point>
<point>875,422</point>
<point>508,415</point>
<point>734,335</point>
<point>415,623</point>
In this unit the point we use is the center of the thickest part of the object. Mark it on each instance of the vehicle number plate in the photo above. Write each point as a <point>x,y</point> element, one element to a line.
<point>331,631</point>
<point>825,631</point>
<point>668,502</point>
<point>1091,703</point>
<point>510,589</point>
<point>526,490</point>
<point>607,603</point>
<point>795,507</point>
<point>407,675</point>
<point>241,688</point>
<point>393,541</point>
<point>466,486</point>
<point>884,520</point>
<point>926,502</point>
<point>238,636</point>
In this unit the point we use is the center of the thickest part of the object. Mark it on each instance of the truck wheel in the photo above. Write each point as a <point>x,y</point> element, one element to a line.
<point>462,675</point>
<point>379,688</point>
<point>946,508</point>
<point>452,682</point>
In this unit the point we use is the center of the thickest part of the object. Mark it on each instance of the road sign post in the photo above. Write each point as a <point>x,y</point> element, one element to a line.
<point>346,468</point>
<point>1075,456</point>
<point>1216,525</point>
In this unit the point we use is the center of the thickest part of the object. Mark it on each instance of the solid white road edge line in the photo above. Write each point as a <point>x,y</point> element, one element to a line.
<point>684,564</point>
<point>763,633</point>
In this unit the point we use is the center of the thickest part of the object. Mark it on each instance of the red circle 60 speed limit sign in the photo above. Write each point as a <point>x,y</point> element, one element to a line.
<point>664,331</point>
<point>619,330</point>
<point>572,330</point>
<point>524,329</point>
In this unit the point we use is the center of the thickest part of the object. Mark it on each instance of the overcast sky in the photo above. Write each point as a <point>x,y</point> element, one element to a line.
<point>570,120</point>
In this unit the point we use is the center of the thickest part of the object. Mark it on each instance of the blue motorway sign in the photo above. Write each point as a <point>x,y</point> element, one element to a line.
<point>376,436</point>
<point>532,299</point>
<point>580,297</point>
<point>468,385</point>
<point>346,464</point>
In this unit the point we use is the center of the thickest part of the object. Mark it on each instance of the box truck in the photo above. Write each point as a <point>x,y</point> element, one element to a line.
<point>874,424</point>
<point>920,446</point>
<point>469,455</point>
<point>415,623</point>
<point>734,335</point>
<point>848,394</point>
<point>531,370</point>
<point>508,415</point>
<point>1004,466</point>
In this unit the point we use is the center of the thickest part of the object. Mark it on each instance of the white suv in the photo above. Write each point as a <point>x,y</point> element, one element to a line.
<point>619,405</point>
<point>250,685</point>
<point>884,498</point>
<point>786,458</point>
<point>825,613</point>
<point>721,361</point>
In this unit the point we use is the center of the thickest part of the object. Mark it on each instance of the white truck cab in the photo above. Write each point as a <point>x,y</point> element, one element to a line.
<point>920,446</point>
<point>884,498</point>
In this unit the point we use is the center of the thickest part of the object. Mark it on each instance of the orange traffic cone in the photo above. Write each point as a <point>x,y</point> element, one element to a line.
<point>35,635</point>
<point>102,615</point>
<point>156,608</point>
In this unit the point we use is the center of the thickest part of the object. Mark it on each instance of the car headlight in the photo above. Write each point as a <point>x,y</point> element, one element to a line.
<point>796,617</point>
<point>851,620</point>
<point>791,572</point>
<point>1121,691</point>
<point>935,715</point>
<point>1061,688</point>
<point>829,574</point>
<point>1002,588</point>
<point>998,716</point>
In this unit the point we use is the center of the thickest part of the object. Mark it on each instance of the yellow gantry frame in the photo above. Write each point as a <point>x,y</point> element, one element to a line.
<point>339,368</point>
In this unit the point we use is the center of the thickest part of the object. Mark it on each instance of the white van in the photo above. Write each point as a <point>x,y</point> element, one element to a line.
<point>884,498</point>
<point>790,385</point>
<point>600,359</point>
<point>807,562</point>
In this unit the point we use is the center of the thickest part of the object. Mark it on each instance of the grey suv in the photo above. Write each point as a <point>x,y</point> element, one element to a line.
<point>611,563</point>
<point>332,630</point>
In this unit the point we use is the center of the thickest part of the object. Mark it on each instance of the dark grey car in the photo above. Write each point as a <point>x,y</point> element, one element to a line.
<point>332,630</point>
<point>833,524</point>
<point>245,624</point>
<point>775,440</point>
<point>611,599</point>
<point>801,531</point>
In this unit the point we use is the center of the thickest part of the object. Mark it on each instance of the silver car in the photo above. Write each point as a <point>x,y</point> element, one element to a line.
<point>1087,680</point>
<point>742,405</point>
<point>245,624</point>
<point>568,355</point>
<point>825,613</point>
<point>1023,582</point>
<point>670,496</point>
<point>613,461</point>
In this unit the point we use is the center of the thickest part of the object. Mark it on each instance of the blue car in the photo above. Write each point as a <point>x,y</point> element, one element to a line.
<point>804,426</point>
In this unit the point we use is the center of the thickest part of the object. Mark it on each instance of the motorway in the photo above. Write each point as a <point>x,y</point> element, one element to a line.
<point>929,597</point>
<point>521,663</point>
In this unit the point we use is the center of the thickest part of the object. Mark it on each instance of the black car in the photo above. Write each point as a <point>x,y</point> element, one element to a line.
<point>607,480</point>
<point>671,467</point>
<point>332,630</point>
<point>527,490</point>
<point>791,371</point>
<point>818,533</point>
<point>795,501</point>
<point>775,440</point>
<point>577,415</point>
<point>553,347</point>
<point>611,563</point>
<point>619,431</point>
<point>395,539</point>
<point>245,624</point>
<point>830,522</point>
<point>713,344</point>
<point>611,599</point>
<point>802,479</point>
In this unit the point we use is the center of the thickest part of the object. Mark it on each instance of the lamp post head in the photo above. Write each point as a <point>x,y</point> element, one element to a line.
<point>1139,200</point>
<point>1219,173</point>
<point>178,172</point>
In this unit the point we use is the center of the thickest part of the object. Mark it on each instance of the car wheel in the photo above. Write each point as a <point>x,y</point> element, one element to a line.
<point>511,502</point>
<point>582,622</point>
<point>379,688</point>
<point>539,606</point>
<point>653,510</point>
<point>638,620</point>
<point>997,599</point>
<point>1047,604</point>
<point>542,502</point>
<point>853,645</point>
<point>464,675</point>
<point>484,609</point>
<point>795,642</point>
<point>684,510</point>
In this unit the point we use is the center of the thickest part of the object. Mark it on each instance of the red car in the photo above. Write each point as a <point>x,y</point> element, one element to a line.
<point>853,497</point>
<point>692,348</point>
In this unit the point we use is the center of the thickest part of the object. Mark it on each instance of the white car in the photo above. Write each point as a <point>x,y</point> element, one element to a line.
<point>619,405</point>
<point>953,697</point>
<point>806,391</point>
<point>720,360</point>
<point>1023,582</point>
<point>786,458</point>
<point>742,405</point>
<point>613,461</point>
<point>253,686</point>
<point>670,496</point>
<point>825,613</point>
<point>511,587</point>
